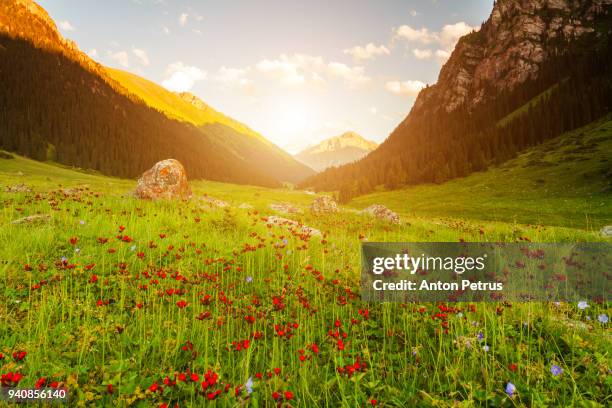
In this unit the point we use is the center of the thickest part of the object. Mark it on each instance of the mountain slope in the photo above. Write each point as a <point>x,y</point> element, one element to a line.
<point>58,104</point>
<point>242,140</point>
<point>335,151</point>
<point>525,48</point>
<point>564,181</point>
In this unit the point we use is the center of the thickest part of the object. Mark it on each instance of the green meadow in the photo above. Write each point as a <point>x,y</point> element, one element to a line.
<point>136,303</point>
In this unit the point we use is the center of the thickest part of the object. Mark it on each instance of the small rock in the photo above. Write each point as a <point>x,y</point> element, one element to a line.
<point>607,231</point>
<point>167,179</point>
<point>30,219</point>
<point>18,188</point>
<point>214,202</point>
<point>382,213</point>
<point>245,206</point>
<point>292,224</point>
<point>324,204</point>
<point>285,208</point>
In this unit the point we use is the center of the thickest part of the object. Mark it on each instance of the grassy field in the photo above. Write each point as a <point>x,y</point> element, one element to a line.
<point>135,303</point>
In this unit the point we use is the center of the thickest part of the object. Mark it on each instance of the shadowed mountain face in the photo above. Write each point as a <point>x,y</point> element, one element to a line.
<point>535,69</point>
<point>56,103</point>
<point>335,151</point>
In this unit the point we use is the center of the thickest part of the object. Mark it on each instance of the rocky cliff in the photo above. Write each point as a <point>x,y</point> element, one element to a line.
<point>509,49</point>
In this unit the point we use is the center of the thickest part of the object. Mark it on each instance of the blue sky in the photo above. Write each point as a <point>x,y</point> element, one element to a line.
<point>297,72</point>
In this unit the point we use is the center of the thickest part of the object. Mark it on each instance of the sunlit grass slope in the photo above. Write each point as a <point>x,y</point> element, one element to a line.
<point>565,181</point>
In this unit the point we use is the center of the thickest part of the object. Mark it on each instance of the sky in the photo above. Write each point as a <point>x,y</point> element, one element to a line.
<point>296,72</point>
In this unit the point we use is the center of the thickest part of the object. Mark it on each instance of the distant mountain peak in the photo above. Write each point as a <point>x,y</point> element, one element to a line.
<point>335,151</point>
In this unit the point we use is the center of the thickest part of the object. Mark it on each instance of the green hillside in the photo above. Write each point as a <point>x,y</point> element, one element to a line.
<point>565,181</point>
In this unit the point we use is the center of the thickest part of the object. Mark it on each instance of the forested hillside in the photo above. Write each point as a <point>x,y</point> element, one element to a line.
<point>485,109</point>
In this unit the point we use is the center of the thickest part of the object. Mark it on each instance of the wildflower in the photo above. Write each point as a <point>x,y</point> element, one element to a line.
<point>556,370</point>
<point>181,304</point>
<point>249,279</point>
<point>373,402</point>
<point>486,348</point>
<point>133,248</point>
<point>288,395</point>
<point>480,336</point>
<point>512,367</point>
<point>275,395</point>
<point>249,385</point>
<point>82,222</point>
<point>109,388</point>
<point>510,389</point>
<point>603,318</point>
<point>582,305</point>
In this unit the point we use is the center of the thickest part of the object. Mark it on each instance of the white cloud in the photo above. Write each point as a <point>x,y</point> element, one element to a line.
<point>422,35</point>
<point>297,69</point>
<point>93,53</point>
<point>373,110</point>
<point>199,18</point>
<point>405,88</point>
<point>443,54</point>
<point>183,19</point>
<point>196,31</point>
<point>354,76</point>
<point>142,56</point>
<point>120,57</point>
<point>413,13</point>
<point>446,38</point>
<point>66,26</point>
<point>165,30</point>
<point>368,52</point>
<point>236,77</point>
<point>181,77</point>
<point>422,54</point>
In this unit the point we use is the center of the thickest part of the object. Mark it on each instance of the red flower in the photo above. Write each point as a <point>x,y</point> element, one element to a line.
<point>109,388</point>
<point>513,367</point>
<point>41,381</point>
<point>73,240</point>
<point>19,355</point>
<point>275,395</point>
<point>154,387</point>
<point>288,395</point>
<point>195,377</point>
<point>373,402</point>
<point>181,304</point>
<point>93,279</point>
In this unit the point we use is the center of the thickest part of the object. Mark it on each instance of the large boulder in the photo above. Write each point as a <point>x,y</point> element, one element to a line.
<point>382,213</point>
<point>286,208</point>
<point>167,179</point>
<point>324,204</point>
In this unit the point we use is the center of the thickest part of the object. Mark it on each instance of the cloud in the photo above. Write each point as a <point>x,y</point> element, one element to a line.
<point>443,54</point>
<point>373,110</point>
<point>368,52</point>
<point>181,77</point>
<point>66,26</point>
<point>446,38</point>
<point>183,19</point>
<point>165,30</point>
<point>297,69</point>
<point>141,55</point>
<point>413,13</point>
<point>236,77</point>
<point>405,88</point>
<point>422,54</point>
<point>354,76</point>
<point>120,57</point>
<point>93,53</point>
<point>199,18</point>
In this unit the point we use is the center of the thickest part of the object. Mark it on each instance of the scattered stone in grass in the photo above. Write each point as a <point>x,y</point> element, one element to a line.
<point>245,206</point>
<point>31,219</point>
<point>381,212</point>
<point>18,188</point>
<point>214,202</point>
<point>167,179</point>
<point>285,208</point>
<point>6,155</point>
<point>292,225</point>
<point>324,204</point>
<point>607,231</point>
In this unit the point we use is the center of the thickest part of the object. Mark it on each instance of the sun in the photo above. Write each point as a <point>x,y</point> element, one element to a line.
<point>293,119</point>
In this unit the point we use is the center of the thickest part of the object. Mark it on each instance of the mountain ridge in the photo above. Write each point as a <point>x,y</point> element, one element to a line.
<point>524,48</point>
<point>334,151</point>
<point>27,21</point>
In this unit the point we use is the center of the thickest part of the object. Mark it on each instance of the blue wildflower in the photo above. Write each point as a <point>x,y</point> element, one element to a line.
<point>556,370</point>
<point>249,385</point>
<point>249,279</point>
<point>603,318</point>
<point>510,389</point>
<point>582,305</point>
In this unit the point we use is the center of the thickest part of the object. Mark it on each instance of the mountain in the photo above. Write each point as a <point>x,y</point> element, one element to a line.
<point>58,104</point>
<point>535,69</point>
<point>226,132</point>
<point>335,151</point>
